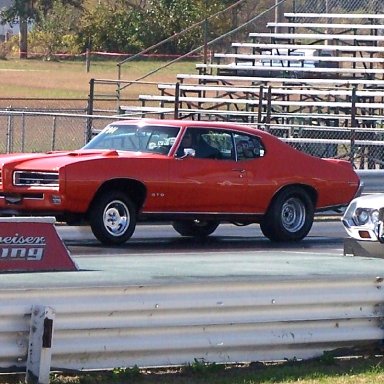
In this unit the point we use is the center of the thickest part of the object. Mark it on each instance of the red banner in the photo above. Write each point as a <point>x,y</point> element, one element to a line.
<point>32,244</point>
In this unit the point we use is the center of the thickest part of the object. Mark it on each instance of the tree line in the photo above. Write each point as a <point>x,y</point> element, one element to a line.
<point>73,26</point>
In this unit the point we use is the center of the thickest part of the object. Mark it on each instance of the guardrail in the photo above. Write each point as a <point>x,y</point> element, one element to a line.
<point>167,324</point>
<point>373,180</point>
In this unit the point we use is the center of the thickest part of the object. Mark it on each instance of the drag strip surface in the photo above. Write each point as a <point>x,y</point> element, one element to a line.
<point>157,255</point>
<point>163,238</point>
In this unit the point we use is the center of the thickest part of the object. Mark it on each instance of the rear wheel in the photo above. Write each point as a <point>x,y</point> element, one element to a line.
<point>290,216</point>
<point>113,218</point>
<point>195,228</point>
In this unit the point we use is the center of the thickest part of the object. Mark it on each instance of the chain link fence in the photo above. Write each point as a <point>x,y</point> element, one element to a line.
<point>22,131</point>
<point>336,6</point>
<point>30,132</point>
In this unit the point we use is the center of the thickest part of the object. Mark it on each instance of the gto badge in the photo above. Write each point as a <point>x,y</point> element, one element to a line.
<point>157,194</point>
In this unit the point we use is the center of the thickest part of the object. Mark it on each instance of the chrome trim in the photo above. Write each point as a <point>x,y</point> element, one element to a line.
<point>35,179</point>
<point>28,196</point>
<point>360,189</point>
<point>380,226</point>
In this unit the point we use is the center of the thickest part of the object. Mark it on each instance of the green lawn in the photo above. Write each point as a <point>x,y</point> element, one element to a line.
<point>325,370</point>
<point>70,79</point>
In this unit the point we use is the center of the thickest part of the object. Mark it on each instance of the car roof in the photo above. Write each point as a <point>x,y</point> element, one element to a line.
<point>192,123</point>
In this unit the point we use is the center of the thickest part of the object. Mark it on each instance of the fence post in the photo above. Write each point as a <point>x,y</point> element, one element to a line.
<point>269,109</point>
<point>261,96</point>
<point>23,132</point>
<point>53,133</point>
<point>353,124</point>
<point>87,60</point>
<point>9,134</point>
<point>88,129</point>
<point>177,100</point>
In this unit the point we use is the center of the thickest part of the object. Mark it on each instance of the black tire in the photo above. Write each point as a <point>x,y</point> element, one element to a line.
<point>112,218</point>
<point>195,228</point>
<point>289,217</point>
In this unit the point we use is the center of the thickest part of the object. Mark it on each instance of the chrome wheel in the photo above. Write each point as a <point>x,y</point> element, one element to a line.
<point>293,214</point>
<point>290,215</point>
<point>112,217</point>
<point>116,218</point>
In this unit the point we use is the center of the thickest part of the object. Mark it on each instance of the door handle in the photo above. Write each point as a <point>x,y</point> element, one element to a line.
<point>241,172</point>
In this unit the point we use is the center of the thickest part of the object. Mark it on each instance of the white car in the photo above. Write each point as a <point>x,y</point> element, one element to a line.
<point>363,219</point>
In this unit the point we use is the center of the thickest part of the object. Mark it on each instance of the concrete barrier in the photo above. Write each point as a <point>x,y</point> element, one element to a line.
<point>32,244</point>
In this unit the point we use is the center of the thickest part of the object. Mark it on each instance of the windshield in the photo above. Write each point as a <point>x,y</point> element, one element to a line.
<point>147,138</point>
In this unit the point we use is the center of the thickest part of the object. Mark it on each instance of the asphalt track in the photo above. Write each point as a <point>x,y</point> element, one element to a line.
<point>157,255</point>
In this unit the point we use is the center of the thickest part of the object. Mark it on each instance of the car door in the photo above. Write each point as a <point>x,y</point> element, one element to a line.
<point>212,185</point>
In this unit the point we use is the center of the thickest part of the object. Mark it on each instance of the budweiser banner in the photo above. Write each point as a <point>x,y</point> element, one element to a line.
<point>32,244</point>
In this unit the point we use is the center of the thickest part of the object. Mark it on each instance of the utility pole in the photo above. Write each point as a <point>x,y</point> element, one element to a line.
<point>279,14</point>
<point>206,33</point>
<point>23,37</point>
<point>23,32</point>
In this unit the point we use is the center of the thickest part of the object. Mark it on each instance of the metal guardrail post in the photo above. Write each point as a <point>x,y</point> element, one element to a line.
<point>40,343</point>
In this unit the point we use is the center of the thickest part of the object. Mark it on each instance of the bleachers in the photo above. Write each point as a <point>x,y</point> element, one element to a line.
<point>330,83</point>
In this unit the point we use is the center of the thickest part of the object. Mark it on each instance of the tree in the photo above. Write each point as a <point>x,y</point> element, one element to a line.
<point>56,31</point>
<point>112,27</point>
<point>26,11</point>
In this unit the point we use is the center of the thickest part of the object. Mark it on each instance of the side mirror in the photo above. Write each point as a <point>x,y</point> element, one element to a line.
<point>189,152</point>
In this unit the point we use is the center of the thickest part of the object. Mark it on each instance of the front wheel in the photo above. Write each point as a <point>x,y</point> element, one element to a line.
<point>195,228</point>
<point>113,218</point>
<point>290,216</point>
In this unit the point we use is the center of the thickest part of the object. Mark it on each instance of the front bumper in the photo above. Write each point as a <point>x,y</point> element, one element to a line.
<point>31,202</point>
<point>371,249</point>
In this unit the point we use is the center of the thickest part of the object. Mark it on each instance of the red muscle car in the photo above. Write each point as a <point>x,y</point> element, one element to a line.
<point>194,174</point>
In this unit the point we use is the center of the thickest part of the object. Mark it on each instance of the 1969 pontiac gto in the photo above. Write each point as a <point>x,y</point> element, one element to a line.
<point>194,174</point>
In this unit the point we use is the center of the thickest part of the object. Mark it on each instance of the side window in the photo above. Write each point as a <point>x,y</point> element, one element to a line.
<point>160,139</point>
<point>248,147</point>
<point>220,141</point>
<point>208,144</point>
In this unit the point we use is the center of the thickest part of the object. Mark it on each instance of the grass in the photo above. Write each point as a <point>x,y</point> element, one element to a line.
<point>69,79</point>
<point>363,370</point>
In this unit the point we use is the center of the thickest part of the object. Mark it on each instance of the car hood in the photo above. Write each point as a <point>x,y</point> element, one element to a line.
<point>56,160</point>
<point>369,201</point>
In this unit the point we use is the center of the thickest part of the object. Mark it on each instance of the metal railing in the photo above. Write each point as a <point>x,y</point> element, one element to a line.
<point>174,324</point>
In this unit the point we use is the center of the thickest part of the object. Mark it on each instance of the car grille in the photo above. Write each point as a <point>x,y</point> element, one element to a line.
<point>29,178</point>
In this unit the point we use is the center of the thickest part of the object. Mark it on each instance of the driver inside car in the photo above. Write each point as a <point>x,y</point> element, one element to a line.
<point>196,142</point>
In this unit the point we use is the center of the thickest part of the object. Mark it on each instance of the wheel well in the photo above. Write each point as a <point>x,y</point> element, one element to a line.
<point>306,188</point>
<point>133,188</point>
